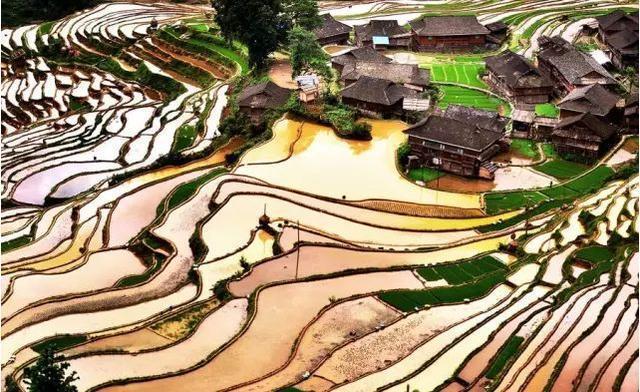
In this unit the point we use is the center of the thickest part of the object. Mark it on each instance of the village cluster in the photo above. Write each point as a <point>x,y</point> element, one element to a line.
<point>594,110</point>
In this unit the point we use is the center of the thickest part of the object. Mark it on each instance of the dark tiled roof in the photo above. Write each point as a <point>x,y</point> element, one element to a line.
<point>625,40</point>
<point>380,28</point>
<point>455,133</point>
<point>571,63</point>
<point>597,127</point>
<point>397,73</point>
<point>593,99</point>
<point>331,27</point>
<point>365,53</point>
<point>377,91</point>
<point>476,117</point>
<point>448,25</point>
<point>516,71</point>
<point>608,21</point>
<point>266,95</point>
<point>496,26</point>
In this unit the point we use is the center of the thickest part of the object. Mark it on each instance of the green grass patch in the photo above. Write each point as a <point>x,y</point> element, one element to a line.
<point>207,43</point>
<point>497,202</point>
<point>15,243</point>
<point>424,174</point>
<point>541,209</point>
<point>45,28</point>
<point>199,27</point>
<point>549,151</point>
<point>133,280</point>
<point>58,343</point>
<point>465,73</point>
<point>591,181</point>
<point>507,352</point>
<point>470,279</point>
<point>458,95</point>
<point>562,169</point>
<point>548,110</point>
<point>185,191</point>
<point>594,254</point>
<point>184,138</point>
<point>525,147</point>
<point>429,274</point>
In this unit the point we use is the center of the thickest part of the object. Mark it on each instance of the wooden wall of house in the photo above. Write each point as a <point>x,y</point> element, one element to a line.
<point>426,43</point>
<point>340,39</point>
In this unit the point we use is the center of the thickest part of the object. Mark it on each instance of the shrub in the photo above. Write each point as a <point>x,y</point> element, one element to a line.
<point>403,154</point>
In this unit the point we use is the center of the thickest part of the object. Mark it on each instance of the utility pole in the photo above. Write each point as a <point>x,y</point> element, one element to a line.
<point>298,251</point>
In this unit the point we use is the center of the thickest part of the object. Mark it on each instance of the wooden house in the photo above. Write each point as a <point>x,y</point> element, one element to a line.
<point>584,135</point>
<point>497,32</point>
<point>515,78</point>
<point>365,53</point>
<point>383,34</point>
<point>630,115</point>
<point>594,99</point>
<point>332,32</point>
<point>461,141</point>
<point>256,100</point>
<point>376,97</point>
<point>408,75</point>
<point>443,33</point>
<point>619,32</point>
<point>567,67</point>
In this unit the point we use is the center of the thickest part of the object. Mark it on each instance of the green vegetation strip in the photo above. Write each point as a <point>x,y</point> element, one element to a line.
<point>465,73</point>
<point>594,254</point>
<point>57,343</point>
<point>525,147</point>
<point>15,243</point>
<point>208,44</point>
<point>469,280</point>
<point>424,174</point>
<point>562,169</point>
<point>507,201</point>
<point>184,138</point>
<point>458,95</point>
<point>154,261</point>
<point>507,352</point>
<point>185,191</point>
<point>548,110</point>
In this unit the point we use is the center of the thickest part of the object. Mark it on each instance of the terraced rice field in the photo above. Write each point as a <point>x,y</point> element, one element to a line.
<point>131,248</point>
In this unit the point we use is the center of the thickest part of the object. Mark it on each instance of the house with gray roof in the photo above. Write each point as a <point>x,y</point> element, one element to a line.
<point>383,34</point>
<point>515,78</point>
<point>332,31</point>
<point>593,99</point>
<point>376,97</point>
<point>461,141</point>
<point>443,33</point>
<point>408,75</point>
<point>256,100</point>
<point>567,67</point>
<point>365,53</point>
<point>583,136</point>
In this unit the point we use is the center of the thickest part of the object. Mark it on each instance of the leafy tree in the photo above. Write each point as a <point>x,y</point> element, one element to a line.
<point>302,13</point>
<point>49,374</point>
<point>306,54</point>
<point>10,385</point>
<point>259,24</point>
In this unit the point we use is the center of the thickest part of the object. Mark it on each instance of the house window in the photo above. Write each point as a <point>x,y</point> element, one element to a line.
<point>459,151</point>
<point>442,146</point>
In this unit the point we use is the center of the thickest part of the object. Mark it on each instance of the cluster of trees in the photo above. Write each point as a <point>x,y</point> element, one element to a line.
<point>266,25</point>
<point>50,373</point>
<point>21,12</point>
